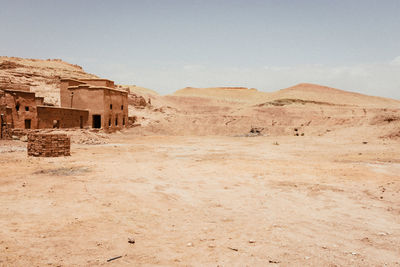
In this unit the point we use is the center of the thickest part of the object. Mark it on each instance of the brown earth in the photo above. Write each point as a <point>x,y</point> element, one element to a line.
<point>195,201</point>
<point>318,184</point>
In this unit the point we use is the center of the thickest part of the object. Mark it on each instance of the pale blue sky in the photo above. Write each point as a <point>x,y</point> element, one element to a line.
<point>170,44</point>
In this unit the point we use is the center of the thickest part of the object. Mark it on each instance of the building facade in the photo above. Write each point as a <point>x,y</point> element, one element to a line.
<point>108,106</point>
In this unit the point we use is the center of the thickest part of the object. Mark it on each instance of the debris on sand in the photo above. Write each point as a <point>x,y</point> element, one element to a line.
<point>273,261</point>
<point>115,258</point>
<point>254,131</point>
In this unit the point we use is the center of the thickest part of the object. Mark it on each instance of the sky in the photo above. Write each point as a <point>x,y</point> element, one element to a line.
<point>167,45</point>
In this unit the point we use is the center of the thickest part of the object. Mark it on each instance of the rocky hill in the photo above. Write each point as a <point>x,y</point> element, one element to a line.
<point>304,109</point>
<point>42,76</point>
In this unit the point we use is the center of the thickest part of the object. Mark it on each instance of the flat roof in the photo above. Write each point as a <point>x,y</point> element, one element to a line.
<point>93,87</point>
<point>53,107</point>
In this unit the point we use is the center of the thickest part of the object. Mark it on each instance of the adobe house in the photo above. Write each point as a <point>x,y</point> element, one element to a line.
<point>108,106</point>
<point>85,102</point>
<point>20,110</point>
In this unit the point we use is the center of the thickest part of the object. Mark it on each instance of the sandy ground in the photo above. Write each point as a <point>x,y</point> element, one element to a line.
<point>203,201</point>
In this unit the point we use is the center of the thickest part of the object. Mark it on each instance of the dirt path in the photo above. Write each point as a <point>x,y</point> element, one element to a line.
<point>226,201</point>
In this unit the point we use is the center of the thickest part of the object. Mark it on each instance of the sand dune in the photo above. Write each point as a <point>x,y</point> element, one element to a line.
<point>314,92</point>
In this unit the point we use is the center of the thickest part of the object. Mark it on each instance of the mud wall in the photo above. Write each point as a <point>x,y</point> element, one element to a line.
<point>65,94</point>
<point>48,145</point>
<point>23,109</point>
<point>5,127</point>
<point>115,109</point>
<point>55,117</point>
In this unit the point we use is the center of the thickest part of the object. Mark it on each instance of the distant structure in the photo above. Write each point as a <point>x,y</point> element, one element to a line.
<point>107,105</point>
<point>85,103</point>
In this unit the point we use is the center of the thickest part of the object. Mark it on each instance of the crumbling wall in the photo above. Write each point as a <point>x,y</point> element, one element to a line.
<point>23,107</point>
<point>48,145</point>
<point>5,127</point>
<point>137,101</point>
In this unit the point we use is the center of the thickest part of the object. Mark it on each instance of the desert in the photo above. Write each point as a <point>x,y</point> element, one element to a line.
<point>224,176</point>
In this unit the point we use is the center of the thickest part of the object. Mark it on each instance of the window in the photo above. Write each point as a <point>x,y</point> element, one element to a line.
<point>56,124</point>
<point>26,108</point>
<point>17,106</point>
<point>110,106</point>
<point>122,107</point>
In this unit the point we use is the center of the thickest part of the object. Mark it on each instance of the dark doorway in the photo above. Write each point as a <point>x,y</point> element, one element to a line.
<point>96,121</point>
<point>81,122</point>
<point>27,124</point>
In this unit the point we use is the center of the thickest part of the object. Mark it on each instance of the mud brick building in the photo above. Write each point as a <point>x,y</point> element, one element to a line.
<point>108,106</point>
<point>21,106</point>
<point>85,103</point>
<point>21,109</point>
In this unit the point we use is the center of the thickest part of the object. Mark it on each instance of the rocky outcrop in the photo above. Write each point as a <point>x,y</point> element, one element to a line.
<point>137,101</point>
<point>41,76</point>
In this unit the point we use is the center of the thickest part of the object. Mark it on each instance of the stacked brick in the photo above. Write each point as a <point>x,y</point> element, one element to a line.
<point>48,145</point>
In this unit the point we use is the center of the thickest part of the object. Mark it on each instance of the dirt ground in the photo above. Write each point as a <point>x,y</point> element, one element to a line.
<point>203,201</point>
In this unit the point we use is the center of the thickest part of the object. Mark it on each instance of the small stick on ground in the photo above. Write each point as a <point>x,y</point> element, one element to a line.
<point>114,258</point>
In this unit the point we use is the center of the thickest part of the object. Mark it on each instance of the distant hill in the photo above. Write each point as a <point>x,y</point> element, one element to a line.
<point>303,91</point>
<point>320,93</point>
<point>141,90</point>
<point>234,94</point>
